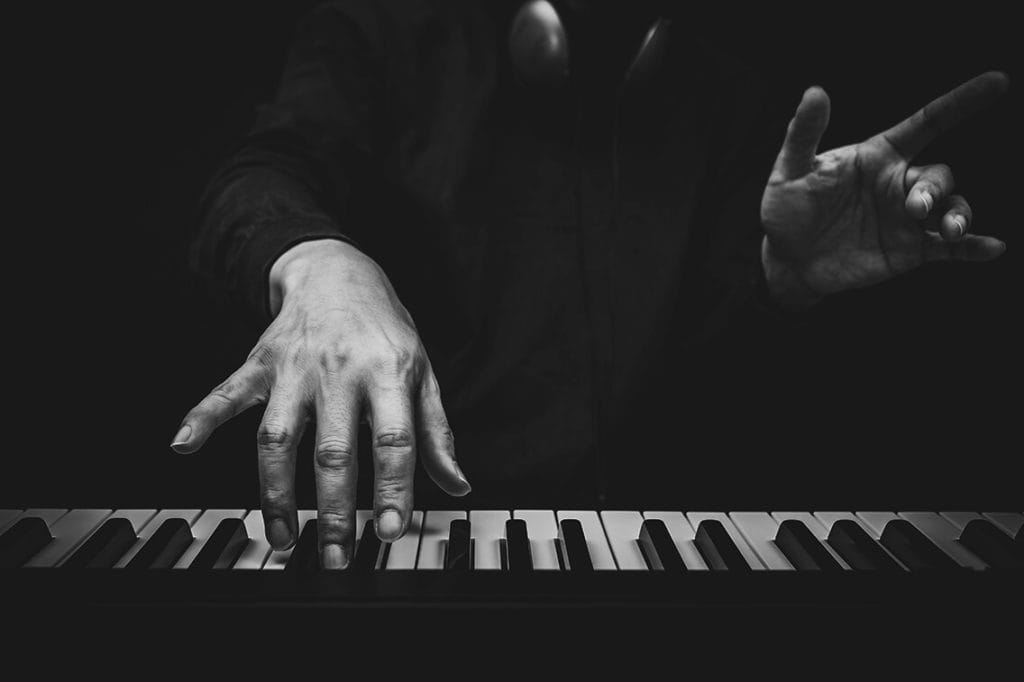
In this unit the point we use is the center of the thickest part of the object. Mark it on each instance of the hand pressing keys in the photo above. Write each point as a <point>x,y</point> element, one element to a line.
<point>341,347</point>
<point>861,214</point>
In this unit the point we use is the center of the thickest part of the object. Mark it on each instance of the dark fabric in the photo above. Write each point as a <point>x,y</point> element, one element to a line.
<point>553,248</point>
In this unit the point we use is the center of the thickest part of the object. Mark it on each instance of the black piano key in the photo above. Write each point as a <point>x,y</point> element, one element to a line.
<point>802,549</point>
<point>913,548</point>
<point>574,546</point>
<point>658,547</point>
<point>719,551</point>
<point>995,547</point>
<point>859,549</point>
<point>223,547</point>
<point>368,550</point>
<point>165,546</point>
<point>458,556</point>
<point>305,557</point>
<point>105,547</point>
<point>517,544</point>
<point>22,541</point>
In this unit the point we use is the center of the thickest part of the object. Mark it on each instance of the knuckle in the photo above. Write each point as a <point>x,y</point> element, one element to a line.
<point>223,396</point>
<point>335,454</point>
<point>334,357</point>
<point>275,498</point>
<point>274,437</point>
<point>263,354</point>
<point>396,361</point>
<point>335,525</point>
<point>393,486</point>
<point>295,353</point>
<point>398,438</point>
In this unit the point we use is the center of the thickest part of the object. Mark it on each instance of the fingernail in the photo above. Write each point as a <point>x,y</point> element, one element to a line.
<point>334,557</point>
<point>1002,245</point>
<point>927,199</point>
<point>181,438</point>
<point>280,536</point>
<point>959,230</point>
<point>462,476</point>
<point>389,525</point>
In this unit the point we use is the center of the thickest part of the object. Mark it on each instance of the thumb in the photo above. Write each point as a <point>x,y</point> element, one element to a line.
<point>804,134</point>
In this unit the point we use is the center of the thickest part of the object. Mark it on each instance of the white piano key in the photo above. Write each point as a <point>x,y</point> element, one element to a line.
<point>403,551</point>
<point>137,517</point>
<point>434,538</point>
<point>600,553</point>
<point>1008,521</point>
<point>190,515</point>
<point>542,529</point>
<point>7,517</point>
<point>487,529</point>
<point>827,518</point>
<point>960,519</point>
<point>68,532</point>
<point>876,520</point>
<point>362,516</point>
<point>202,529</point>
<point>759,530</point>
<point>734,534</point>
<point>256,552</point>
<point>622,529</point>
<point>682,535</point>
<point>816,528</point>
<point>51,516</point>
<point>277,560</point>
<point>944,534</point>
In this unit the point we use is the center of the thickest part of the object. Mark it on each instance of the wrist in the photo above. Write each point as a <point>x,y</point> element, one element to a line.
<point>788,289</point>
<point>292,266</point>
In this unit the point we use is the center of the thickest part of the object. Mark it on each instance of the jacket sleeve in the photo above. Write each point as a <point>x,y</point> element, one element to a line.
<point>291,177</point>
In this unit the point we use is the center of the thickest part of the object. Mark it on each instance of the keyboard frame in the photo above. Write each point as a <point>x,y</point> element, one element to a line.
<point>33,588</point>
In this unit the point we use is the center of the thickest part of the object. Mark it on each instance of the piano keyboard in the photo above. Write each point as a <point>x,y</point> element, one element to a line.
<point>532,559</point>
<point>517,541</point>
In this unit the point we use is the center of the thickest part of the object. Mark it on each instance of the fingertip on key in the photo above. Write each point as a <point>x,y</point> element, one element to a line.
<point>389,525</point>
<point>279,536</point>
<point>334,557</point>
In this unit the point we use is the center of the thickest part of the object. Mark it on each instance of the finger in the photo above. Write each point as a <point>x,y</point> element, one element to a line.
<point>956,218</point>
<point>394,457</point>
<point>929,187</point>
<point>796,158</point>
<point>913,134</point>
<point>970,248</point>
<point>436,441</point>
<point>243,389</point>
<point>277,440</point>
<point>336,465</point>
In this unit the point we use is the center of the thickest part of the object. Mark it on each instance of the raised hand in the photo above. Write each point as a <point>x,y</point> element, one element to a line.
<point>861,214</point>
<point>342,347</point>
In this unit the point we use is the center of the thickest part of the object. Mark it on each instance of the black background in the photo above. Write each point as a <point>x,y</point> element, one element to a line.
<point>904,395</point>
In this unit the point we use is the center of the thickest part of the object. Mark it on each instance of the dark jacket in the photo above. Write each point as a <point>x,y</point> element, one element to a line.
<point>558,250</point>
